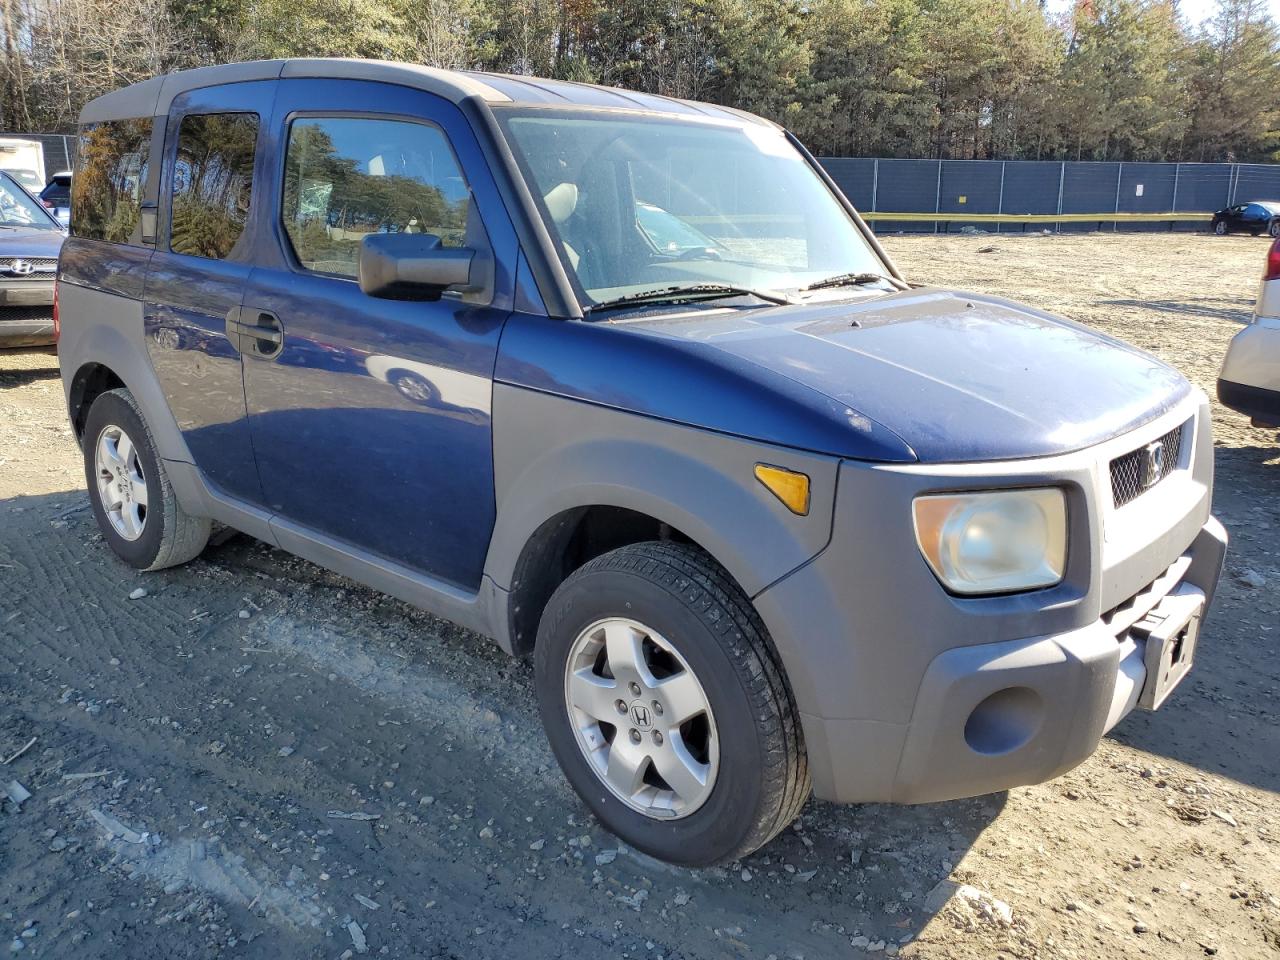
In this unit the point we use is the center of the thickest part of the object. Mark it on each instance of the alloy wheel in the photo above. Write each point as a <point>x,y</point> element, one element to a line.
<point>122,485</point>
<point>641,718</point>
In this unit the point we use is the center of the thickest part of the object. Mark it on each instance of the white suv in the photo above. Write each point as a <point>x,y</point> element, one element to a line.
<point>1250,377</point>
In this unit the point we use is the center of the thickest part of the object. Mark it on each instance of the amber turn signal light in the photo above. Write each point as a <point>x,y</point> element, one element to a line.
<point>790,487</point>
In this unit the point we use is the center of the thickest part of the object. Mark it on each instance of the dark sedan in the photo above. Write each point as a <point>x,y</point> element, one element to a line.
<point>1256,217</point>
<point>30,239</point>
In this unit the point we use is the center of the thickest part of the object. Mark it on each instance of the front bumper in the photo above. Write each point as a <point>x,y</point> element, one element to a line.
<point>26,313</point>
<point>889,670</point>
<point>26,326</point>
<point>26,293</point>
<point>1258,403</point>
<point>1249,381</point>
<point>1002,715</point>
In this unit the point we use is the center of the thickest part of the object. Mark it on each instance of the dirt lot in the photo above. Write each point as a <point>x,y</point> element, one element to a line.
<point>192,746</point>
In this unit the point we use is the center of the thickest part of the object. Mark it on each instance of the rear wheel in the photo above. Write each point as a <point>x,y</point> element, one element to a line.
<point>133,501</point>
<point>666,705</point>
<point>1274,229</point>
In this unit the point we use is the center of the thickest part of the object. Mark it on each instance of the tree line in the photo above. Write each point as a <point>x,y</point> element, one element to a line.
<point>964,79</point>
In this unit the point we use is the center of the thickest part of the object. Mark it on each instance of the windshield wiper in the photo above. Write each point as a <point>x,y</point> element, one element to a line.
<point>855,280</point>
<point>691,292</point>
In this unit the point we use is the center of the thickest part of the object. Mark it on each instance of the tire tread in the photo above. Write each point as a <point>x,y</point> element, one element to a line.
<point>692,575</point>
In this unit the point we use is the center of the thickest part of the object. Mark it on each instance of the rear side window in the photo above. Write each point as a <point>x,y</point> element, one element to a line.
<point>212,183</point>
<point>106,192</point>
<point>346,178</point>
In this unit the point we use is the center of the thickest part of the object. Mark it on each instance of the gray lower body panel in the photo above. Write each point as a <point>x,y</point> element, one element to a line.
<point>478,611</point>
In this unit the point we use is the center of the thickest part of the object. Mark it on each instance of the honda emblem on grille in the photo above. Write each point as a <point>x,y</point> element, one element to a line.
<point>21,268</point>
<point>1153,464</point>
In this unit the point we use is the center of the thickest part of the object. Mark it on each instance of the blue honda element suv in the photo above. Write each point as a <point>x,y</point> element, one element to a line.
<point>624,383</point>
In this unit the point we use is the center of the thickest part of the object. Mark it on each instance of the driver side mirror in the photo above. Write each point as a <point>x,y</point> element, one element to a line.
<point>412,266</point>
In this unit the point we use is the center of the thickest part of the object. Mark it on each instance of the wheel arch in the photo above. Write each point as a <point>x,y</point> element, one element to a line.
<point>564,543</point>
<point>602,479</point>
<point>91,380</point>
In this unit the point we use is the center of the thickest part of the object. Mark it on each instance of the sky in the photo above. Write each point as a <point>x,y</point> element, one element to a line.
<point>1194,11</point>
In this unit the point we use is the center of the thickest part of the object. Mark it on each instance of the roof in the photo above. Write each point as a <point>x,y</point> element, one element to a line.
<point>153,97</point>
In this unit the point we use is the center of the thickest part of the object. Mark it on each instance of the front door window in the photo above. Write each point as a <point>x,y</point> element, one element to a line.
<point>347,177</point>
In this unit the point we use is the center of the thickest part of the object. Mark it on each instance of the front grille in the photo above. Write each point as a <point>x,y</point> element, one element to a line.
<point>28,268</point>
<point>21,314</point>
<point>1138,471</point>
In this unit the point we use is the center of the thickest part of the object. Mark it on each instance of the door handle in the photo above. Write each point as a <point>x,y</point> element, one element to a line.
<point>265,334</point>
<point>257,331</point>
<point>147,219</point>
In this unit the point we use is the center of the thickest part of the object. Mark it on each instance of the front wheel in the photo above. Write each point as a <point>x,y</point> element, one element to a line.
<point>1220,228</point>
<point>667,707</point>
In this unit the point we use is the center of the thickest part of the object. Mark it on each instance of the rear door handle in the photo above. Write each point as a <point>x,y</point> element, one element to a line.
<point>264,334</point>
<point>257,331</point>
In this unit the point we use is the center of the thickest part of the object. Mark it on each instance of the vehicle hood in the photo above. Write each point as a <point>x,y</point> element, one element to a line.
<point>958,377</point>
<point>29,242</point>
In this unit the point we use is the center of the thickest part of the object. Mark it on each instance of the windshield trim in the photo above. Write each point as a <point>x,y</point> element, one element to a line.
<point>517,166</point>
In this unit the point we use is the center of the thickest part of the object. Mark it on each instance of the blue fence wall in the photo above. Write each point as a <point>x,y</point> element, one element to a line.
<point>1047,188</point>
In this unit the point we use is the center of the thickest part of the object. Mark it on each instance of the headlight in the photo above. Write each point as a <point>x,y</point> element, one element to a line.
<point>997,542</point>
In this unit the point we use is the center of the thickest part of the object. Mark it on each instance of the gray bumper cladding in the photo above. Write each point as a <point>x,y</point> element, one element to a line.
<point>997,715</point>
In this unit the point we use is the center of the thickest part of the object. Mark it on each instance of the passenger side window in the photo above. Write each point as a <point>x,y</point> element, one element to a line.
<point>112,159</point>
<point>212,183</point>
<point>346,178</point>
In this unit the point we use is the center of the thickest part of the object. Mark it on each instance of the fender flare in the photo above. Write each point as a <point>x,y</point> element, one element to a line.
<point>698,482</point>
<point>107,344</point>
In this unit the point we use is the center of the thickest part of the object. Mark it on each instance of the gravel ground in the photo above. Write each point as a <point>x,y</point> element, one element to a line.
<point>260,759</point>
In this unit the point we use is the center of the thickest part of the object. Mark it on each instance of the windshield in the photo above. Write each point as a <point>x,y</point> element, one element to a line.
<point>18,209</point>
<point>639,203</point>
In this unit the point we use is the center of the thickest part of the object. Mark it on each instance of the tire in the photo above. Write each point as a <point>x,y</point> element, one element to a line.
<point>1274,229</point>
<point>1255,233</point>
<point>1220,228</point>
<point>160,534</point>
<point>675,594</point>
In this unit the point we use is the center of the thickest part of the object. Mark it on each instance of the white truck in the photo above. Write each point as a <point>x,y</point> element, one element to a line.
<point>24,160</point>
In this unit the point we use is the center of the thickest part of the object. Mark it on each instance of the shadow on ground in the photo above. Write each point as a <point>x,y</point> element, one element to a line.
<point>1194,306</point>
<point>27,375</point>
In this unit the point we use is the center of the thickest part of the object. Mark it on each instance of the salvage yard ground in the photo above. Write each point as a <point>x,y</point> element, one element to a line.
<point>260,759</point>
